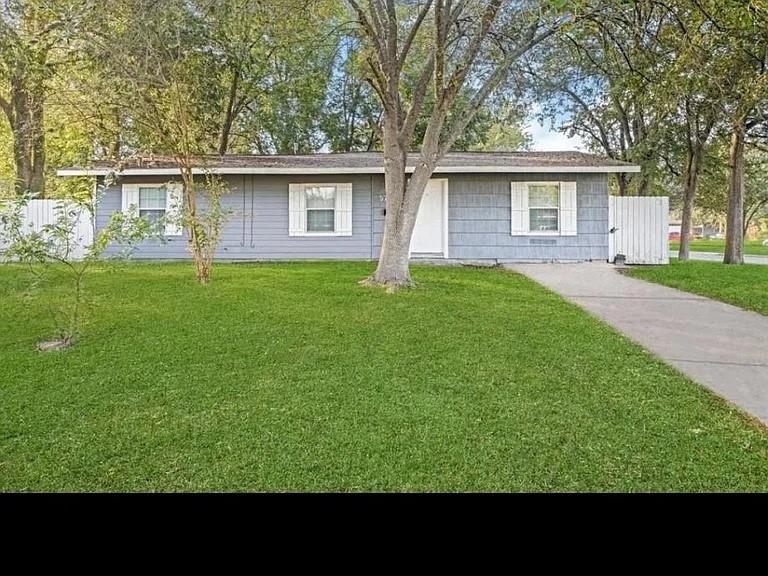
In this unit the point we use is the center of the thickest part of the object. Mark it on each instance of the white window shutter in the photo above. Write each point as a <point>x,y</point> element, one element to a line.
<point>568,209</point>
<point>343,210</point>
<point>174,205</point>
<point>131,200</point>
<point>521,218</point>
<point>297,215</point>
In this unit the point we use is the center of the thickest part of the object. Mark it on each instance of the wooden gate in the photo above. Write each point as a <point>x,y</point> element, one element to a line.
<point>639,229</point>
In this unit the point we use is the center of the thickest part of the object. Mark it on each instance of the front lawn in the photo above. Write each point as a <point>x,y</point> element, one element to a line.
<point>751,247</point>
<point>745,286</point>
<point>291,377</point>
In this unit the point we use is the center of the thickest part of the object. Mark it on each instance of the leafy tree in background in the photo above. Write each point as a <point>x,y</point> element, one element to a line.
<point>35,41</point>
<point>740,30</point>
<point>598,81</point>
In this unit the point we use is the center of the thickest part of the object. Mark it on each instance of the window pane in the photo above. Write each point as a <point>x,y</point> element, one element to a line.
<point>153,216</point>
<point>544,220</point>
<point>320,221</point>
<point>152,198</point>
<point>543,196</point>
<point>321,197</point>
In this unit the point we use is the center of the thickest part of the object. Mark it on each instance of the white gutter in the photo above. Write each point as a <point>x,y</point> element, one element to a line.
<point>315,170</point>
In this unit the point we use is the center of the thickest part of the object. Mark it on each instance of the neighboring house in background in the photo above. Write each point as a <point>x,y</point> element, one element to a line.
<point>702,231</point>
<point>516,206</point>
<point>675,230</point>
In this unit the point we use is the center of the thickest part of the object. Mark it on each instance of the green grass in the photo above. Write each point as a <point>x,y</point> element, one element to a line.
<point>751,247</point>
<point>744,286</point>
<point>291,377</point>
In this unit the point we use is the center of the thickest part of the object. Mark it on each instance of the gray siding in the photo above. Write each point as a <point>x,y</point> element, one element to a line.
<point>479,220</point>
<point>257,223</point>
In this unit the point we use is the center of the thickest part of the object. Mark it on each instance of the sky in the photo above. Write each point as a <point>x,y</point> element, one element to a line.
<point>545,139</point>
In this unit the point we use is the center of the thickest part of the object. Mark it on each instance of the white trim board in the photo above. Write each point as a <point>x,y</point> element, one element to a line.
<point>341,170</point>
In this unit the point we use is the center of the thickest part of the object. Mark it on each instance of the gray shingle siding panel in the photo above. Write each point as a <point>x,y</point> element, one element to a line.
<point>479,220</point>
<point>479,225</point>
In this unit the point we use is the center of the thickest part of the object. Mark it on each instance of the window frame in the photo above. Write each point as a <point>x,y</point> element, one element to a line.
<point>559,208</point>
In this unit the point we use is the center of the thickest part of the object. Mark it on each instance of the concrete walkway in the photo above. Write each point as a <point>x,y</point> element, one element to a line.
<point>720,346</point>
<point>715,257</point>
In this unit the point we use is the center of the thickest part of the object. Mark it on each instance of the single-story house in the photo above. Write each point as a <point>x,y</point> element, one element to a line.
<point>511,206</point>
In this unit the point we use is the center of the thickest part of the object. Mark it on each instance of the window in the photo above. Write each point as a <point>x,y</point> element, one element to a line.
<point>152,204</point>
<point>321,207</point>
<point>544,207</point>
<point>160,203</point>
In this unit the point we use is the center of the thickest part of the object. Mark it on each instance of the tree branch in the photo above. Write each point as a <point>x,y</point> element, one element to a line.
<point>414,31</point>
<point>531,40</point>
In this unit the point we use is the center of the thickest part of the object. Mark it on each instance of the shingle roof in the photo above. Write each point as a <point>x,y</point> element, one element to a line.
<point>367,162</point>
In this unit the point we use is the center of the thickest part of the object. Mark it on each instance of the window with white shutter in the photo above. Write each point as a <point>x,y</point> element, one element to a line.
<point>160,204</point>
<point>320,209</point>
<point>544,209</point>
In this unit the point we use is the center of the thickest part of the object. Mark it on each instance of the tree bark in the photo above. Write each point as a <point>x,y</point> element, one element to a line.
<point>734,232</point>
<point>621,181</point>
<point>189,193</point>
<point>691,181</point>
<point>393,270</point>
<point>37,182</point>
<point>26,121</point>
<point>229,114</point>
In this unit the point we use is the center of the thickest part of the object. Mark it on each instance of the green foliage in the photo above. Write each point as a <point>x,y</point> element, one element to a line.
<point>51,257</point>
<point>7,170</point>
<point>713,191</point>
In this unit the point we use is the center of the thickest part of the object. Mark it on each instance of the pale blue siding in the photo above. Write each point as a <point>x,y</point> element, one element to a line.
<point>480,227</point>
<point>479,220</point>
<point>257,223</point>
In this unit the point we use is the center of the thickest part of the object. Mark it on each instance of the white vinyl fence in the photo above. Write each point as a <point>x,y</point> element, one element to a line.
<point>38,213</point>
<point>639,229</point>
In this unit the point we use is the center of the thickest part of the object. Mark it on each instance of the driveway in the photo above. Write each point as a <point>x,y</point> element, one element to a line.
<point>715,257</point>
<point>718,345</point>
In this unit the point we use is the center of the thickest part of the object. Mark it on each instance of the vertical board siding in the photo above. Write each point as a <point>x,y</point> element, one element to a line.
<point>39,213</point>
<point>641,229</point>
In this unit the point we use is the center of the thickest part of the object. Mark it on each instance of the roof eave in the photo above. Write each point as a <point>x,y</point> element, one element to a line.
<point>68,172</point>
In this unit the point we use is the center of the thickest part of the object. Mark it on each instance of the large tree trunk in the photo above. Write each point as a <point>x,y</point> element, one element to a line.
<point>691,181</point>
<point>734,232</point>
<point>37,182</point>
<point>403,199</point>
<point>621,181</point>
<point>28,134</point>
<point>393,269</point>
